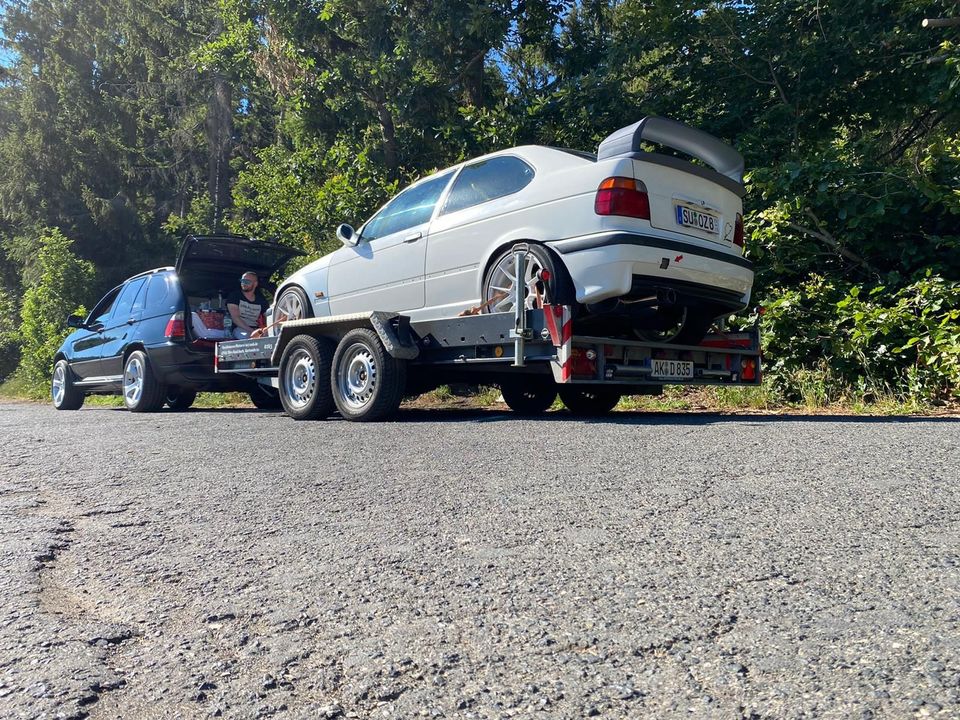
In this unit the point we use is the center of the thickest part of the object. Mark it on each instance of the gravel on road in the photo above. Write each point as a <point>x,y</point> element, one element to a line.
<point>475,565</point>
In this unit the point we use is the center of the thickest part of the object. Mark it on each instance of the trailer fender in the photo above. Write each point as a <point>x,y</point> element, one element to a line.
<point>397,340</point>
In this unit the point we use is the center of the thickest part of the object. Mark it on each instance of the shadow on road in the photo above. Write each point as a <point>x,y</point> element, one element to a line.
<point>633,417</point>
<point>652,418</point>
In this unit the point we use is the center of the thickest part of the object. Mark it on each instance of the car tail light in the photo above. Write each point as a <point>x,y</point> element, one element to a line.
<point>175,327</point>
<point>622,196</point>
<point>738,231</point>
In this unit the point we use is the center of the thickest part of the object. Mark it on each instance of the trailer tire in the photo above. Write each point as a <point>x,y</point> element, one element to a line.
<point>265,397</point>
<point>531,395</point>
<point>587,400</point>
<point>367,382</point>
<point>304,369</point>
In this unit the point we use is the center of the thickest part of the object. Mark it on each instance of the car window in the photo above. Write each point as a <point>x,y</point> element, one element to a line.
<point>486,180</point>
<point>163,293</point>
<point>101,312</point>
<point>123,307</point>
<point>414,206</point>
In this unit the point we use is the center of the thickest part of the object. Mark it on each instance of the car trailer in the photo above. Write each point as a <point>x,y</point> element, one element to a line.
<point>363,364</point>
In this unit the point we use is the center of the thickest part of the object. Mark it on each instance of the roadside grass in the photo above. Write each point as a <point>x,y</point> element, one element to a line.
<point>814,392</point>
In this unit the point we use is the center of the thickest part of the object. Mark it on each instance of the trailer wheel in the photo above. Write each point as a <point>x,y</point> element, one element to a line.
<point>586,400</point>
<point>367,382</point>
<point>529,395</point>
<point>265,397</point>
<point>304,368</point>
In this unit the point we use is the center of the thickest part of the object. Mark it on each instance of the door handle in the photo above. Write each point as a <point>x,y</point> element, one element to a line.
<point>131,321</point>
<point>413,238</point>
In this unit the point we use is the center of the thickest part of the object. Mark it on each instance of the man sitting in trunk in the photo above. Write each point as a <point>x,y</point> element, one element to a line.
<point>247,307</point>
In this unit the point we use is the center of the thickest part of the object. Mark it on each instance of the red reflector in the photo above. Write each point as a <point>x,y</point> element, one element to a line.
<point>622,196</point>
<point>580,364</point>
<point>175,328</point>
<point>738,231</point>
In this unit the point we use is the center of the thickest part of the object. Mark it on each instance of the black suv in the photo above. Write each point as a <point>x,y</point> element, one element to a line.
<point>139,340</point>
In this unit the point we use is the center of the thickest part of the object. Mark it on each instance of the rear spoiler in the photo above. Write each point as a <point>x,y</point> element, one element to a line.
<point>696,143</point>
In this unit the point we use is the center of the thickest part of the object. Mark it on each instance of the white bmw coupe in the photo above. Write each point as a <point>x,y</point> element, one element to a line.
<point>641,243</point>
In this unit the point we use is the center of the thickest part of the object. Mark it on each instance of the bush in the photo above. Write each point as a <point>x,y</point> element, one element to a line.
<point>880,342</point>
<point>64,281</point>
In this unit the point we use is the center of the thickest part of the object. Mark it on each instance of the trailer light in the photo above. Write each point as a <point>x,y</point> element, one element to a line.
<point>622,196</point>
<point>749,367</point>
<point>498,351</point>
<point>176,330</point>
<point>582,364</point>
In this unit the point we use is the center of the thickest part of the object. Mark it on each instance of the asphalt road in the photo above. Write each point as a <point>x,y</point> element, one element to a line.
<point>239,564</point>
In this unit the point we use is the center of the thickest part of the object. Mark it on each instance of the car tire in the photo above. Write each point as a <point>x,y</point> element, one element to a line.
<point>367,382</point>
<point>290,299</point>
<point>304,378</point>
<point>265,397</point>
<point>142,390</point>
<point>558,290</point>
<point>690,330</point>
<point>586,400</point>
<point>531,395</point>
<point>180,399</point>
<point>65,395</point>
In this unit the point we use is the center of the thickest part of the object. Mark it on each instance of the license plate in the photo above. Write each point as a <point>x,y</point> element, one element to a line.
<point>680,369</point>
<point>689,217</point>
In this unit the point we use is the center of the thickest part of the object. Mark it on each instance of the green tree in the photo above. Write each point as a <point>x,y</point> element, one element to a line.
<point>63,284</point>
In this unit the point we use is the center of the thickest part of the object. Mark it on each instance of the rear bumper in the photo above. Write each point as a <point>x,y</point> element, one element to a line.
<point>187,366</point>
<point>606,265</point>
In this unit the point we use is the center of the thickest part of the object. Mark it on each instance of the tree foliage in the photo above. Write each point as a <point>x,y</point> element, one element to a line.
<point>62,286</point>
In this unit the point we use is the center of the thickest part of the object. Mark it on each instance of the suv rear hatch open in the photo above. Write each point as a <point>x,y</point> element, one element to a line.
<point>208,265</point>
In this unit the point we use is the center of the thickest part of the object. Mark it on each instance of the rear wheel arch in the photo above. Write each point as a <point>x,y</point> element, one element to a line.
<point>131,348</point>
<point>298,289</point>
<point>563,275</point>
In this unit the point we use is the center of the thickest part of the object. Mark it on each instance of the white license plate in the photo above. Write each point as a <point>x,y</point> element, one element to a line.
<point>679,369</point>
<point>689,217</point>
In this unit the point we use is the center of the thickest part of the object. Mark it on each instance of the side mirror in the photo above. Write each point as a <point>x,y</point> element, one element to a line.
<point>347,235</point>
<point>75,321</point>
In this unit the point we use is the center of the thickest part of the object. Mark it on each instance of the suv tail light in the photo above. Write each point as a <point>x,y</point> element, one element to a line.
<point>738,231</point>
<point>622,196</point>
<point>175,327</point>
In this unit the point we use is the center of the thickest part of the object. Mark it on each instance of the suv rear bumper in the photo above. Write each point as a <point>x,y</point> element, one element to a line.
<point>605,266</point>
<point>186,366</point>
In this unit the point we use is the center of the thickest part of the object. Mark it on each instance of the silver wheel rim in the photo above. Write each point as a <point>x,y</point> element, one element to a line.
<point>357,376</point>
<point>133,381</point>
<point>498,294</point>
<point>59,385</point>
<point>300,379</point>
<point>290,306</point>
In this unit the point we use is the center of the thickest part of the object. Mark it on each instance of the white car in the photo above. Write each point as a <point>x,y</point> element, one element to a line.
<point>639,242</point>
